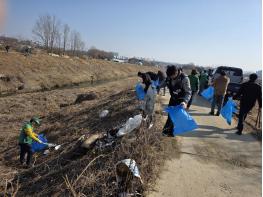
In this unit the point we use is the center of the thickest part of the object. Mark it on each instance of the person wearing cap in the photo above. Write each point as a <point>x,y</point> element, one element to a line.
<point>27,135</point>
<point>180,90</point>
<point>194,81</point>
<point>220,85</point>
<point>248,93</point>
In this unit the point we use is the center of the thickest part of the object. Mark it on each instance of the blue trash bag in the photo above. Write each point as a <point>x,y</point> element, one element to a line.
<point>156,83</point>
<point>208,93</point>
<point>228,110</point>
<point>37,147</point>
<point>139,91</point>
<point>182,121</point>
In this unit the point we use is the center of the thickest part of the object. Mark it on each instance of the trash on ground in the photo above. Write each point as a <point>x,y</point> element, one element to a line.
<point>89,141</point>
<point>126,171</point>
<point>130,125</point>
<point>182,121</point>
<point>46,152</point>
<point>104,113</point>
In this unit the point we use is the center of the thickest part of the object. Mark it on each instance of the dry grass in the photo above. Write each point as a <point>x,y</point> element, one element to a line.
<point>41,71</point>
<point>73,171</point>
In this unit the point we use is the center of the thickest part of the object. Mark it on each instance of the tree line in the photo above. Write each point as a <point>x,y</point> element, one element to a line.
<point>55,36</point>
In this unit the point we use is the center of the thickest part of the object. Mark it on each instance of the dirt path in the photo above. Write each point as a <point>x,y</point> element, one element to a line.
<point>213,160</point>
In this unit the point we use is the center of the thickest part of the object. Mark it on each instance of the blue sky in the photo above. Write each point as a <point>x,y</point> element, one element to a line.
<point>205,32</point>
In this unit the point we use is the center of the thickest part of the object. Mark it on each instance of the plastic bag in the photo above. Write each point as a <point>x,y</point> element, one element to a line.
<point>104,113</point>
<point>182,121</point>
<point>208,93</point>
<point>156,83</point>
<point>36,146</point>
<point>228,110</point>
<point>139,91</point>
<point>130,125</point>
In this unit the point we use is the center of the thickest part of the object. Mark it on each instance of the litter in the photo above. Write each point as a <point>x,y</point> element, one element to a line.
<point>130,125</point>
<point>182,121</point>
<point>126,171</point>
<point>228,110</point>
<point>46,152</point>
<point>104,113</point>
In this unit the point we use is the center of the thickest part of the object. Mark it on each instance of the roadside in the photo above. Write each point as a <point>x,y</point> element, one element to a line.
<point>213,160</point>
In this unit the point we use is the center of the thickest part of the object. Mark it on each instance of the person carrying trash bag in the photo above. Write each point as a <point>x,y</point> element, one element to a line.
<point>26,138</point>
<point>220,86</point>
<point>248,93</point>
<point>180,90</point>
<point>149,99</point>
<point>194,82</point>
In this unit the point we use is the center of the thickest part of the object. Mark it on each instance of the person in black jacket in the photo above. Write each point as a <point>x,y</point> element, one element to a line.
<point>180,90</point>
<point>152,75</point>
<point>249,92</point>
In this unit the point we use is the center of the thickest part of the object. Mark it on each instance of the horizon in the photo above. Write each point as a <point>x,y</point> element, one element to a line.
<point>206,33</point>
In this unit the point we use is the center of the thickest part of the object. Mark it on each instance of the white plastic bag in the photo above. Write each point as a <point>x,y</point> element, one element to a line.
<point>130,125</point>
<point>104,113</point>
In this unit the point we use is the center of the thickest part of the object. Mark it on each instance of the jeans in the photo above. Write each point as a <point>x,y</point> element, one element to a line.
<point>191,99</point>
<point>217,100</point>
<point>25,149</point>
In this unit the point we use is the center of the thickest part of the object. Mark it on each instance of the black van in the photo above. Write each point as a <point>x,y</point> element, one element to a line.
<point>235,75</point>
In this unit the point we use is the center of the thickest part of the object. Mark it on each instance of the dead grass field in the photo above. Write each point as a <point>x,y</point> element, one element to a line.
<point>41,71</point>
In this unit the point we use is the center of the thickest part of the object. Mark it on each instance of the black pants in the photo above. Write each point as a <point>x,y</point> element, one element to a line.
<point>242,116</point>
<point>168,127</point>
<point>25,149</point>
<point>191,99</point>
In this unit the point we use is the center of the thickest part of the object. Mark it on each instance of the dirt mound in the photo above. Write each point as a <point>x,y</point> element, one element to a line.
<point>85,97</point>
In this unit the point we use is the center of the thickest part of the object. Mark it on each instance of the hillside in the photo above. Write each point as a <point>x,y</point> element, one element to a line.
<point>41,71</point>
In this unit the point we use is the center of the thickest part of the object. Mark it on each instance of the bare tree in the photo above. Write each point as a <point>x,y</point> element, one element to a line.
<point>54,31</point>
<point>66,31</point>
<point>42,30</point>
<point>47,29</point>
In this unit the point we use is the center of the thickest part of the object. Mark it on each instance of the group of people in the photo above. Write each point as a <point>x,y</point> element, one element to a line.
<point>184,88</point>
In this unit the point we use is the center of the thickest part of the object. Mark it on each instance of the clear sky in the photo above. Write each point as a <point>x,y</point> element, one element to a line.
<point>205,32</point>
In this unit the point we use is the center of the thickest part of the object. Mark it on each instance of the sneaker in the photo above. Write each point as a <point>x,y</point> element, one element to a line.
<point>217,114</point>
<point>239,133</point>
<point>211,113</point>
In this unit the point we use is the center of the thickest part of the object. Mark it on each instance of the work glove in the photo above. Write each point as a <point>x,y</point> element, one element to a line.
<point>183,104</point>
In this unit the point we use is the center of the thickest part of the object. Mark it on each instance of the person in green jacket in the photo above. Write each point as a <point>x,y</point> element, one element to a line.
<point>204,78</point>
<point>194,82</point>
<point>27,135</point>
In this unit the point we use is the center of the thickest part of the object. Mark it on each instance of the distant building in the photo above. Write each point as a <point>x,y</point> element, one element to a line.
<point>135,61</point>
